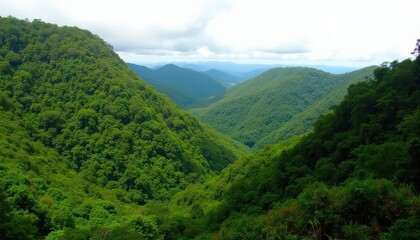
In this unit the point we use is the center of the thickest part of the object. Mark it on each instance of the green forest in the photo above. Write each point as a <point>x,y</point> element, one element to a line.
<point>80,129</point>
<point>278,104</point>
<point>88,150</point>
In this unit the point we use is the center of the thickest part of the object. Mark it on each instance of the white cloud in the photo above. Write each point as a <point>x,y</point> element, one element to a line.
<point>347,32</point>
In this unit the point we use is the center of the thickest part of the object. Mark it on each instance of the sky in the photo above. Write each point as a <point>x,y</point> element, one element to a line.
<point>353,33</point>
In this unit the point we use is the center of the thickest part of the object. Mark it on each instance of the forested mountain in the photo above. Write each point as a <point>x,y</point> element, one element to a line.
<point>235,69</point>
<point>302,122</point>
<point>278,104</point>
<point>246,71</point>
<point>90,151</point>
<point>356,176</point>
<point>184,86</point>
<point>84,141</point>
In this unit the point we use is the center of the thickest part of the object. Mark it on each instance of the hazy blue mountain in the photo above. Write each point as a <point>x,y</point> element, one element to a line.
<point>184,86</point>
<point>254,73</point>
<point>147,74</point>
<point>223,77</point>
<point>241,70</point>
<point>235,69</point>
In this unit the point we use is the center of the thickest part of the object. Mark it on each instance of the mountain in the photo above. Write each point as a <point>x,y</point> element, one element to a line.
<point>231,68</point>
<point>255,111</point>
<point>355,176</point>
<point>194,83</point>
<point>90,151</point>
<point>302,122</point>
<point>224,78</point>
<point>184,86</point>
<point>243,69</point>
<point>255,72</point>
<point>333,69</point>
<point>84,142</point>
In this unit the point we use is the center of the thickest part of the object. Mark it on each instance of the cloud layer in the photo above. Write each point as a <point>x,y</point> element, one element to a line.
<point>326,31</point>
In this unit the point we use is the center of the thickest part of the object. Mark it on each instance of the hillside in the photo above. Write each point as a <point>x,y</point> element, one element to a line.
<point>84,142</point>
<point>356,176</point>
<point>255,111</point>
<point>184,86</point>
<point>302,122</point>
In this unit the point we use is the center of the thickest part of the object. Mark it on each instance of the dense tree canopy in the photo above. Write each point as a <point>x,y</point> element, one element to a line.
<point>278,104</point>
<point>356,176</point>
<point>73,115</point>
<point>89,151</point>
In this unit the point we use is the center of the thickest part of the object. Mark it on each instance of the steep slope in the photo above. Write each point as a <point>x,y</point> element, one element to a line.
<point>356,176</point>
<point>302,122</point>
<point>79,129</point>
<point>257,108</point>
<point>184,86</point>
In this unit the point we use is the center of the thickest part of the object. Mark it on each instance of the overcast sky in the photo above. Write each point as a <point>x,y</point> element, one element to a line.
<point>333,32</point>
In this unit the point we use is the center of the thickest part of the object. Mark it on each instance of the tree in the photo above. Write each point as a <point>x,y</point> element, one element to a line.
<point>416,51</point>
<point>13,225</point>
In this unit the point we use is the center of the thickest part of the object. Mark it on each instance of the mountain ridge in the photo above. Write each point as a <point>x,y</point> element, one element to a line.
<point>185,86</point>
<point>223,77</point>
<point>253,109</point>
<point>246,69</point>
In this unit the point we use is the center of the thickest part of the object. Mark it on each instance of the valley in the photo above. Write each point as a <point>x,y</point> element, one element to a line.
<point>92,147</point>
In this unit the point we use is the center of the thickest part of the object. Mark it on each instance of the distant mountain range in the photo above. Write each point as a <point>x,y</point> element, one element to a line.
<point>223,77</point>
<point>247,71</point>
<point>274,105</point>
<point>184,86</point>
<point>199,84</point>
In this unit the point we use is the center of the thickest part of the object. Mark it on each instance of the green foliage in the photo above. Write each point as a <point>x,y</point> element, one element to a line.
<point>368,209</point>
<point>278,104</point>
<point>321,212</point>
<point>337,182</point>
<point>14,225</point>
<point>79,130</point>
<point>62,218</point>
<point>129,229</point>
<point>404,229</point>
<point>84,143</point>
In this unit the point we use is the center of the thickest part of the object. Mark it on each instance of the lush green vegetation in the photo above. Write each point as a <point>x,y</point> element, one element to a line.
<point>278,104</point>
<point>90,151</point>
<point>84,142</point>
<point>302,122</point>
<point>186,87</point>
<point>356,176</point>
